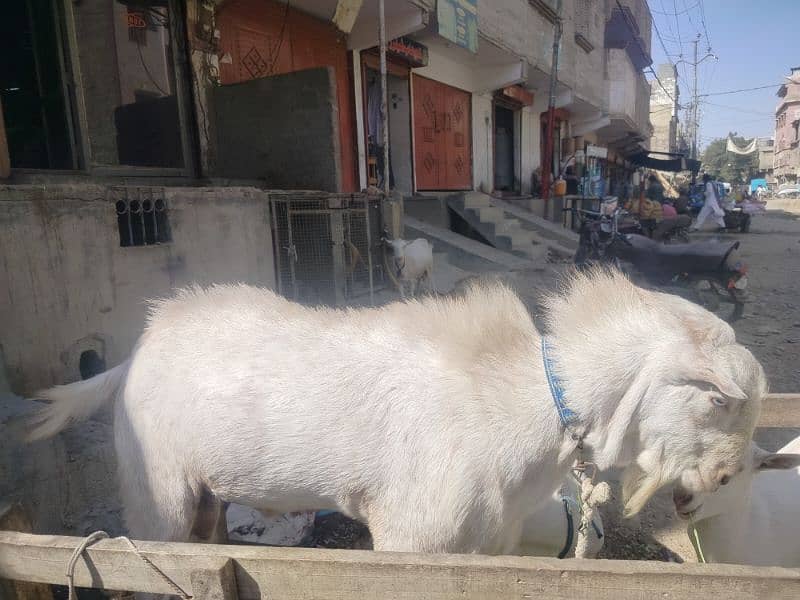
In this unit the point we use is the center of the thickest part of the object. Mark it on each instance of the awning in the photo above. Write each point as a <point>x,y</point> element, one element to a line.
<point>673,165</point>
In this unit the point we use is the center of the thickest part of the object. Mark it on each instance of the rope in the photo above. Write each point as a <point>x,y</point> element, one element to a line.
<point>694,537</point>
<point>102,535</point>
<point>591,496</point>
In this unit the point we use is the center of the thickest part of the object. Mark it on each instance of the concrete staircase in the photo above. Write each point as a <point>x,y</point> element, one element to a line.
<point>488,216</point>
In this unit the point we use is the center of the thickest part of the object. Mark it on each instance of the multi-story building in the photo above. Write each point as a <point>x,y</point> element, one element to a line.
<point>141,150</point>
<point>787,131</point>
<point>664,94</point>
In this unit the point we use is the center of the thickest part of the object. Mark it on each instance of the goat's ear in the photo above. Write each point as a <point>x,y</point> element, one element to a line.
<point>720,380</point>
<point>767,460</point>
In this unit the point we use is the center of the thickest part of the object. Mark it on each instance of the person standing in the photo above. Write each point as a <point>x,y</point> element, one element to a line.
<point>711,207</point>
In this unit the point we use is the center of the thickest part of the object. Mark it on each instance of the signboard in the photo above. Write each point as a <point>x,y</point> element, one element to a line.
<point>136,20</point>
<point>409,51</point>
<point>457,21</point>
<point>518,93</point>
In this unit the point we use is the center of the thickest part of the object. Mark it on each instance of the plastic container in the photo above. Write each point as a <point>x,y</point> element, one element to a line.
<point>559,187</point>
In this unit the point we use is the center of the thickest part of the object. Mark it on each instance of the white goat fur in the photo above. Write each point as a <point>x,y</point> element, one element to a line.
<point>414,262</point>
<point>754,519</point>
<point>431,421</point>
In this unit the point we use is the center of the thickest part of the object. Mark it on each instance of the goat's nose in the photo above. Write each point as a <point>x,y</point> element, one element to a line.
<point>724,479</point>
<point>681,498</point>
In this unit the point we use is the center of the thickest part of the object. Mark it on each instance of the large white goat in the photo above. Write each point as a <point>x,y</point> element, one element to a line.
<point>432,421</point>
<point>413,262</point>
<point>753,520</point>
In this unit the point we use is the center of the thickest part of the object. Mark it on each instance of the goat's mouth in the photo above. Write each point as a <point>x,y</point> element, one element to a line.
<point>687,513</point>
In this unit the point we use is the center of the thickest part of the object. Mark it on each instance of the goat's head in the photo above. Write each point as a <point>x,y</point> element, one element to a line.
<point>736,490</point>
<point>697,413</point>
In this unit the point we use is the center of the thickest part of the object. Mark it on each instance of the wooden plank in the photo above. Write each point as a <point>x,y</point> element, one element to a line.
<point>780,410</point>
<point>296,573</point>
<point>14,518</point>
<point>217,584</point>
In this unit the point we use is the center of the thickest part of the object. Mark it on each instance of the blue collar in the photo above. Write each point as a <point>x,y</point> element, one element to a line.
<point>565,414</point>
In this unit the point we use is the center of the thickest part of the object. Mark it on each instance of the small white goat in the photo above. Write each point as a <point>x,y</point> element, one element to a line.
<point>430,421</point>
<point>413,262</point>
<point>753,520</point>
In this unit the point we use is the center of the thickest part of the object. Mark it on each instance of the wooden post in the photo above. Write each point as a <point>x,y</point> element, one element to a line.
<point>215,584</point>
<point>13,518</point>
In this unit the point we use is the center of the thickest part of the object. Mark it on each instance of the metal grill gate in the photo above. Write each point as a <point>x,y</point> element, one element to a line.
<point>327,246</point>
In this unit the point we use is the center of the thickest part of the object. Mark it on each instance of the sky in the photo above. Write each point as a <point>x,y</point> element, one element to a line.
<point>756,42</point>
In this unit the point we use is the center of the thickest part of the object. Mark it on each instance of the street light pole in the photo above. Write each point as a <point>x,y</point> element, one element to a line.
<point>695,98</point>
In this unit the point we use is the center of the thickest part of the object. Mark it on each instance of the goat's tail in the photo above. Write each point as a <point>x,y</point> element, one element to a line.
<point>74,402</point>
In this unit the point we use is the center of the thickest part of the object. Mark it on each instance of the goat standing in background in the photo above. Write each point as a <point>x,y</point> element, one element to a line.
<point>412,262</point>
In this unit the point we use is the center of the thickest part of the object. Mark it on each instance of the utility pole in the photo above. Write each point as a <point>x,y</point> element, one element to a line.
<point>695,97</point>
<point>547,164</point>
<point>694,101</point>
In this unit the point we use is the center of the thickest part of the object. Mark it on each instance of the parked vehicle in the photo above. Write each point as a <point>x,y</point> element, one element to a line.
<point>709,273</point>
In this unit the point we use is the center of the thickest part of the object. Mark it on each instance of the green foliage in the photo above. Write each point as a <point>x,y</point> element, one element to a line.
<point>727,166</point>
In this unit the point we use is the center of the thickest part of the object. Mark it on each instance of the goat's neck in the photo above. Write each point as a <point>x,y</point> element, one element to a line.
<point>601,387</point>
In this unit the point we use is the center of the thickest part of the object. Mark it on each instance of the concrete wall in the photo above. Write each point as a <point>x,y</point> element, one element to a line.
<point>283,129</point>
<point>68,286</point>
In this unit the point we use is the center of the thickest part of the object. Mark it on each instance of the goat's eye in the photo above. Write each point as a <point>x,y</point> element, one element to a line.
<point>719,401</point>
<point>725,479</point>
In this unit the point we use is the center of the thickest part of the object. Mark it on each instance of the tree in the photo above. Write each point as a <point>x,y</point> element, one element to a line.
<point>727,166</point>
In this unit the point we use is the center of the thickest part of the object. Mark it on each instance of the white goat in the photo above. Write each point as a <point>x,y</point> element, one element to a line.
<point>413,262</point>
<point>430,421</point>
<point>753,520</point>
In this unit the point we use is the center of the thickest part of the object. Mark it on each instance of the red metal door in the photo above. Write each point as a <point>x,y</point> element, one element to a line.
<point>442,134</point>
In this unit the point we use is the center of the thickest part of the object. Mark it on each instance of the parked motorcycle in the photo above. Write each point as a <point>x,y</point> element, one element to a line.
<point>708,273</point>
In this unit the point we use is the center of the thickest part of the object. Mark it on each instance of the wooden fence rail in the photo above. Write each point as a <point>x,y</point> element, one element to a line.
<point>780,410</point>
<point>249,573</point>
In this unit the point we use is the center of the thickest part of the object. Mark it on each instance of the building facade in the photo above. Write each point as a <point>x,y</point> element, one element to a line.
<point>140,155</point>
<point>787,131</point>
<point>664,94</point>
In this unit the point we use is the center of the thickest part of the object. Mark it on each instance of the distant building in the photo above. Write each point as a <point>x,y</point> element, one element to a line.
<point>766,158</point>
<point>664,110</point>
<point>787,130</point>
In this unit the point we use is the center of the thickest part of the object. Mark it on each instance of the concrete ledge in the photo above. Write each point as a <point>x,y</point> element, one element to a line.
<point>464,244</point>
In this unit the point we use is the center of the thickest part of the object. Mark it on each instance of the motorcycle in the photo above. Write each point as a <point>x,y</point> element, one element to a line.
<point>708,273</point>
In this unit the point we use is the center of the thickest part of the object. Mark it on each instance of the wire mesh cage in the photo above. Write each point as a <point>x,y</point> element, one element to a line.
<point>327,246</point>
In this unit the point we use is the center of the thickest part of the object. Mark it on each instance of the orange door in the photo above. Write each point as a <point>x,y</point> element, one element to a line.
<point>442,135</point>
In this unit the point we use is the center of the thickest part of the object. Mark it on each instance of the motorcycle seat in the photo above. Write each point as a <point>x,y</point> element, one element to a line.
<point>693,257</point>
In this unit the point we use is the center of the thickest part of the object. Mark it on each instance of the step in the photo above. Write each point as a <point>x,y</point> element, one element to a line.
<point>477,200</point>
<point>506,225</point>
<point>491,214</point>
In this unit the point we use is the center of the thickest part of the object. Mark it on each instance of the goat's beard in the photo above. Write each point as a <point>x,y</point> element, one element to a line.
<point>638,486</point>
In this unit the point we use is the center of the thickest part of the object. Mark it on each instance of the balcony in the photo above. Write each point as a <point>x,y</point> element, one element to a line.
<point>628,29</point>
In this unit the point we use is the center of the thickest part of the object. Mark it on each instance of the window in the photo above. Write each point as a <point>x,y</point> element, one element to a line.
<point>33,94</point>
<point>583,24</point>
<point>142,217</point>
<point>132,56</point>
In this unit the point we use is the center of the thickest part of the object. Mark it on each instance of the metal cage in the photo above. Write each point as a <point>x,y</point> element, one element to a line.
<point>327,246</point>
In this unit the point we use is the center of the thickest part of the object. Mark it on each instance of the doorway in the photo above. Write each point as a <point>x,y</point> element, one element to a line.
<point>401,176</point>
<point>504,155</point>
<point>32,86</point>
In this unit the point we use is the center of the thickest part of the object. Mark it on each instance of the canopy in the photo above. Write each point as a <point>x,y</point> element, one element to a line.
<point>673,165</point>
